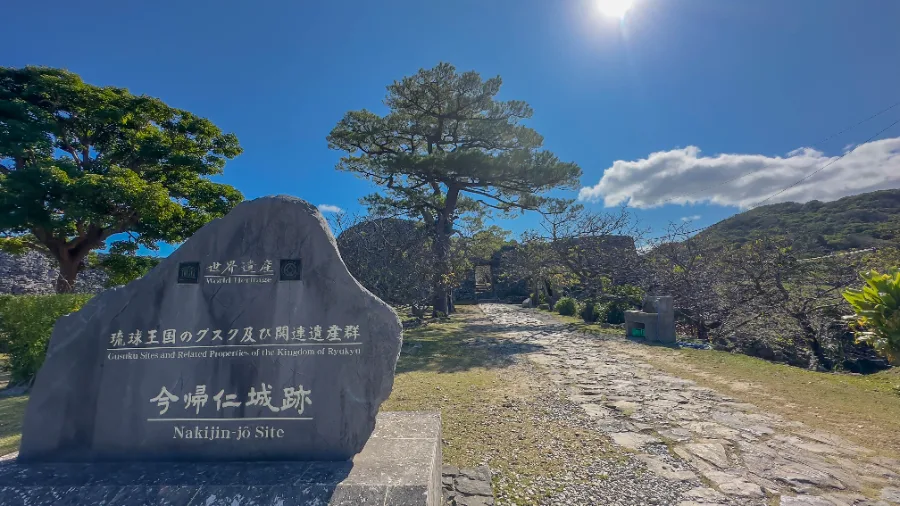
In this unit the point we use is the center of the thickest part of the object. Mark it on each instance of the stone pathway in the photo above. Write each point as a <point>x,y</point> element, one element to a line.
<point>684,432</point>
<point>467,487</point>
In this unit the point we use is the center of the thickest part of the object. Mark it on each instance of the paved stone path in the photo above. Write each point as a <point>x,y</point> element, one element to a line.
<point>742,454</point>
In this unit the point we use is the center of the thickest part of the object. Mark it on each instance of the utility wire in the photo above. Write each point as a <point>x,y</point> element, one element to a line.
<point>879,113</point>
<point>851,127</point>
<point>829,164</point>
<point>832,162</point>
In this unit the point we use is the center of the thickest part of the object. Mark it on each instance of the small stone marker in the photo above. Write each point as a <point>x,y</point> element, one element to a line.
<point>250,342</point>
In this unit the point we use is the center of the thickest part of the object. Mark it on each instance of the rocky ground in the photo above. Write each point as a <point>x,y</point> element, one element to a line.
<point>688,445</point>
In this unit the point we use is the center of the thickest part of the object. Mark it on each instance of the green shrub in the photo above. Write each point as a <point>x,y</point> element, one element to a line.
<point>590,313</point>
<point>545,307</point>
<point>629,297</point>
<point>26,322</point>
<point>877,307</point>
<point>630,294</point>
<point>566,306</point>
<point>614,312</point>
<point>537,299</point>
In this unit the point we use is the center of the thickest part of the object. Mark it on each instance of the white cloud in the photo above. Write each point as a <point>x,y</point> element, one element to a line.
<point>328,208</point>
<point>685,177</point>
<point>691,218</point>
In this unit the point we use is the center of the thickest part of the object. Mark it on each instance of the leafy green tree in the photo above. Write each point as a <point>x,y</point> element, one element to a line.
<point>447,147</point>
<point>80,163</point>
<point>26,322</point>
<point>483,243</point>
<point>123,268</point>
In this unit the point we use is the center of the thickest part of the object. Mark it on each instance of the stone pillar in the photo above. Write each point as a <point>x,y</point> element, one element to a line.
<point>665,309</point>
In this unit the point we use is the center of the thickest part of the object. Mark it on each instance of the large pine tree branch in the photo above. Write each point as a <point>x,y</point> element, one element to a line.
<point>510,203</point>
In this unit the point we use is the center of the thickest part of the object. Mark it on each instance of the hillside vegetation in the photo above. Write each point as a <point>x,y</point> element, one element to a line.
<point>860,221</point>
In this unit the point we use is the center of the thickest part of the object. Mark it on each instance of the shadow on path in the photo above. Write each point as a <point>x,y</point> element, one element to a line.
<point>459,346</point>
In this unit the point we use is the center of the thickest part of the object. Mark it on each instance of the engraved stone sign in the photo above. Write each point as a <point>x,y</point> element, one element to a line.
<point>250,342</point>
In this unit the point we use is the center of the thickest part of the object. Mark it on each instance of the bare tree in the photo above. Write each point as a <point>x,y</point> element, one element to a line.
<point>688,269</point>
<point>776,283</point>
<point>534,261</point>
<point>389,256</point>
<point>597,248</point>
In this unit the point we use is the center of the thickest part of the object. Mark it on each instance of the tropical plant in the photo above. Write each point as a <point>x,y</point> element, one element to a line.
<point>877,308</point>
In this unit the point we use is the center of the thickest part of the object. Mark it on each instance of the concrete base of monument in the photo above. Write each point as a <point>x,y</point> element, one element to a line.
<point>399,466</point>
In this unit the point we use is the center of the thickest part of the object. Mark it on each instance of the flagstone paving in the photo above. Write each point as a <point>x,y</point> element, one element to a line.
<point>685,432</point>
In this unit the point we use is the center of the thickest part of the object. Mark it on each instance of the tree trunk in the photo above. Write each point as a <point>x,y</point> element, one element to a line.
<point>552,296</point>
<point>443,228</point>
<point>441,292</point>
<point>68,273</point>
<point>817,359</point>
<point>70,255</point>
<point>702,331</point>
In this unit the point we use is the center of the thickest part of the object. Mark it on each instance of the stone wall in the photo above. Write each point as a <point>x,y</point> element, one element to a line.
<point>503,288</point>
<point>613,247</point>
<point>33,273</point>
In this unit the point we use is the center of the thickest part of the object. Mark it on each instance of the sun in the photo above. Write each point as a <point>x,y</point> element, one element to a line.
<point>614,8</point>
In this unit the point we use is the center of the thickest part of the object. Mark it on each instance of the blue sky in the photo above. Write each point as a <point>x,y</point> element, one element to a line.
<point>648,103</point>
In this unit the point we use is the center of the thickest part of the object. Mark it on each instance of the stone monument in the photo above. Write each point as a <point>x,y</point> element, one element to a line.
<point>655,322</point>
<point>250,343</point>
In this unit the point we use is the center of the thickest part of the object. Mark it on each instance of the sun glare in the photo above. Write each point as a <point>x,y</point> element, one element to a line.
<point>614,8</point>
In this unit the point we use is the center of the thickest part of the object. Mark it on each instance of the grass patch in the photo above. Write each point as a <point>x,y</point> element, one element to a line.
<point>4,370</point>
<point>12,411</point>
<point>576,323</point>
<point>862,408</point>
<point>489,406</point>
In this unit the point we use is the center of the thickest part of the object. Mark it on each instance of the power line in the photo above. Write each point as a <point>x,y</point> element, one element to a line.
<point>832,162</point>
<point>851,127</point>
<point>879,113</point>
<point>829,164</point>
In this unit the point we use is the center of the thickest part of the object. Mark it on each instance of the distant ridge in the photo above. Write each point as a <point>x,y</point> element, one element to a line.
<point>867,220</point>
